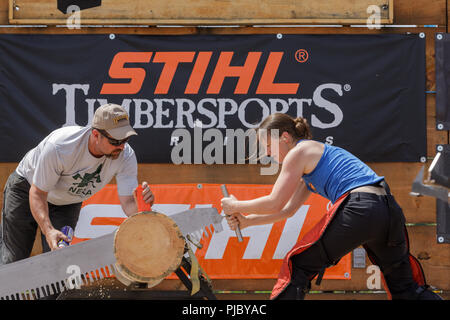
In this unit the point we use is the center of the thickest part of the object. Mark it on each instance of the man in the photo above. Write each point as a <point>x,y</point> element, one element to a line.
<point>70,165</point>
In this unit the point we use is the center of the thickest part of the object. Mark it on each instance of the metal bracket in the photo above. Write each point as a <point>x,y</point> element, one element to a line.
<point>421,189</point>
<point>359,258</point>
<point>437,183</point>
<point>438,186</point>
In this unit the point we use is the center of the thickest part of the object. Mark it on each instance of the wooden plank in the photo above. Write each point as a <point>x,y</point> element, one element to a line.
<point>310,296</point>
<point>4,12</point>
<point>107,288</point>
<point>422,12</point>
<point>434,137</point>
<point>400,176</point>
<point>100,292</point>
<point>317,296</point>
<point>230,174</point>
<point>204,12</point>
<point>448,15</point>
<point>430,57</point>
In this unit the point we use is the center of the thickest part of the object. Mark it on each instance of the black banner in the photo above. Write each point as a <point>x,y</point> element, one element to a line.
<point>442,46</point>
<point>365,93</point>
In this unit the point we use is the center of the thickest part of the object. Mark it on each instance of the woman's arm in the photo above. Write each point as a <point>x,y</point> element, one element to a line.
<point>297,200</point>
<point>283,190</point>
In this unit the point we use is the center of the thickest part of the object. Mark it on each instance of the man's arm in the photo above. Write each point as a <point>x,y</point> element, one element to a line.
<point>128,203</point>
<point>39,210</point>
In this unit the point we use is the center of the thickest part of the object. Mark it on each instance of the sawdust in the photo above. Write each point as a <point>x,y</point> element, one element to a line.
<point>104,289</point>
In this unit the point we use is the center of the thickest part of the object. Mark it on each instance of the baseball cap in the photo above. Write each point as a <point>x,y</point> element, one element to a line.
<point>113,119</point>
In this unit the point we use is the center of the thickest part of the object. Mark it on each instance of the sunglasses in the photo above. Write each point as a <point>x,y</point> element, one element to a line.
<point>112,141</point>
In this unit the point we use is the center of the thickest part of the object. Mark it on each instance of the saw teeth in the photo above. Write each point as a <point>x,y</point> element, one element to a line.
<point>195,237</point>
<point>208,232</point>
<point>218,227</point>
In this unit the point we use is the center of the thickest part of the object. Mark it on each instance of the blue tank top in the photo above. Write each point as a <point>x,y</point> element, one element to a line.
<point>337,172</point>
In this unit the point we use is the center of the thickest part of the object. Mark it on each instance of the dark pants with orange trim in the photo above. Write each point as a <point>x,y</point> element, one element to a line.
<point>18,227</point>
<point>363,219</point>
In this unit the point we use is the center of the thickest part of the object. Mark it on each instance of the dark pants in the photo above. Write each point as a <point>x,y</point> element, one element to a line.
<point>18,227</point>
<point>363,219</point>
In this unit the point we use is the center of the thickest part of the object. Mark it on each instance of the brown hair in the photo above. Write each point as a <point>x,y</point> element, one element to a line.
<point>298,128</point>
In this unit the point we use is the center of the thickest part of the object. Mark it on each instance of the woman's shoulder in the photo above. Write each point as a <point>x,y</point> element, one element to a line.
<point>310,152</point>
<point>310,146</point>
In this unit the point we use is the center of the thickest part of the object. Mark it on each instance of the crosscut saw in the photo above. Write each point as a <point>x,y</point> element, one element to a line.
<point>53,272</point>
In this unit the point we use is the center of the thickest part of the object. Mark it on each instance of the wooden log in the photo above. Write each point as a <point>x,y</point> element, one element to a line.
<point>148,247</point>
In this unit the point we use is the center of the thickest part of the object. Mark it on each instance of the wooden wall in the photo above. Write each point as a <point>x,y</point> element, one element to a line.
<point>427,16</point>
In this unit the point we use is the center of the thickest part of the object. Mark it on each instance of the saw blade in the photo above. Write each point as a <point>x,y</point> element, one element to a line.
<point>48,273</point>
<point>194,222</point>
<point>56,271</point>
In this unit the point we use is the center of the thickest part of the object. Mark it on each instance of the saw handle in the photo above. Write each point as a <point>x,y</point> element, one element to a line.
<point>142,206</point>
<point>238,230</point>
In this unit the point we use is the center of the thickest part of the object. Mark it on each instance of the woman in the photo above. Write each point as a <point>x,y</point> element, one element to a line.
<point>363,212</point>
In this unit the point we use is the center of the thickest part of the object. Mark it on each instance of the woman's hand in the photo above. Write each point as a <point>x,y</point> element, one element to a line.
<point>236,220</point>
<point>229,205</point>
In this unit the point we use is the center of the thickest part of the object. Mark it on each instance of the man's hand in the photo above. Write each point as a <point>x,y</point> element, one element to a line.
<point>53,236</point>
<point>139,201</point>
<point>147,194</point>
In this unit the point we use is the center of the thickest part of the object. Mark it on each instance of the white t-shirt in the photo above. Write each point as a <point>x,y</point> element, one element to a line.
<point>63,166</point>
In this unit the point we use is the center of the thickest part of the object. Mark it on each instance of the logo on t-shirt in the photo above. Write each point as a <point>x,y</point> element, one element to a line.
<point>83,185</point>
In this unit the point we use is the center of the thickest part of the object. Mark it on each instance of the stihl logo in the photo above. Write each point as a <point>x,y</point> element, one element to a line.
<point>199,62</point>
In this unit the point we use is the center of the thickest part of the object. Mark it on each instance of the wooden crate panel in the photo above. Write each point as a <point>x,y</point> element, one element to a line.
<point>422,12</point>
<point>203,12</point>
